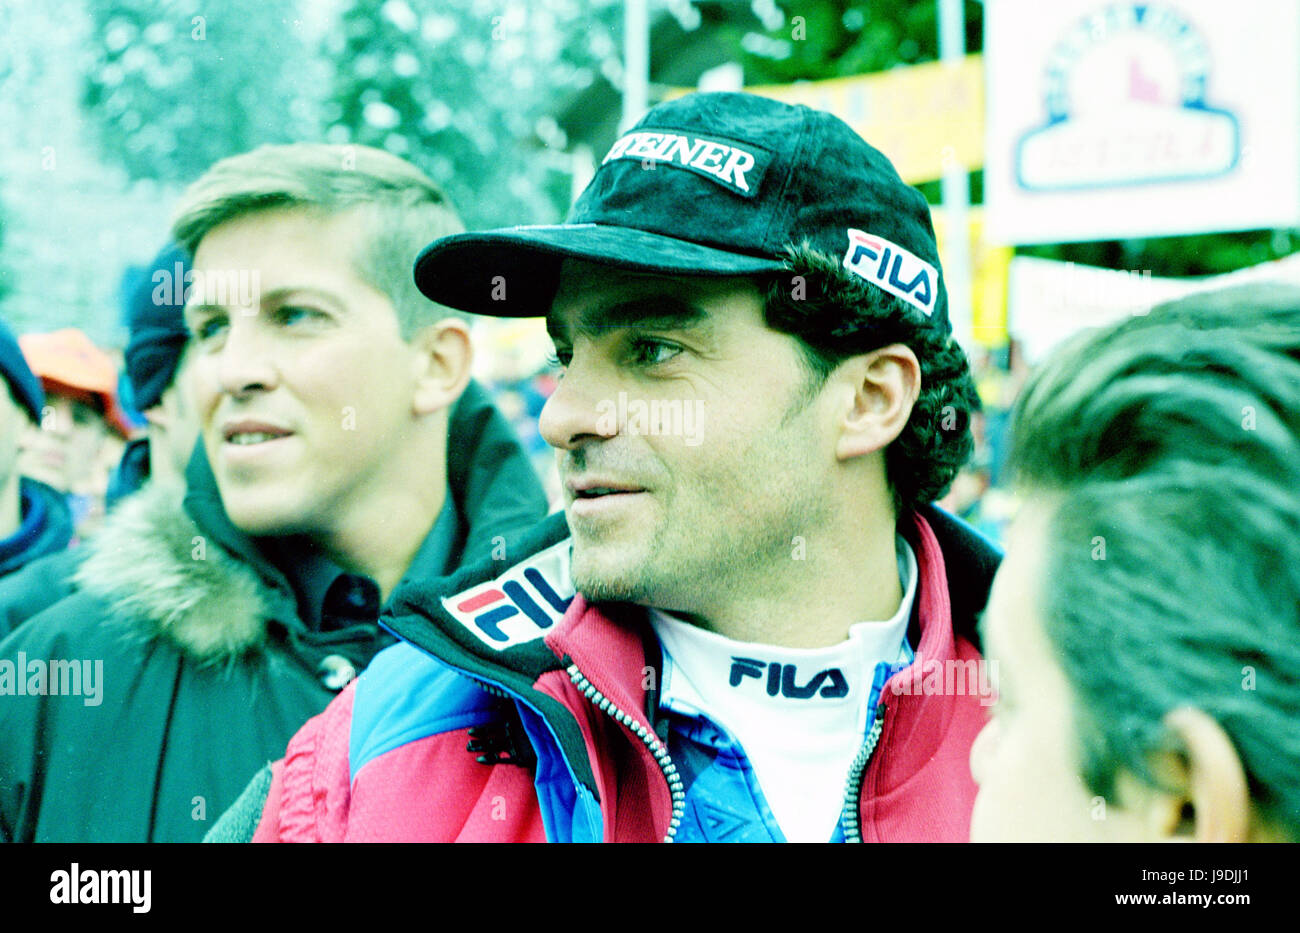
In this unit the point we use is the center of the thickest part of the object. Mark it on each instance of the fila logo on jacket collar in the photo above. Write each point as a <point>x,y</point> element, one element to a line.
<point>520,605</point>
<point>894,269</point>
<point>723,161</point>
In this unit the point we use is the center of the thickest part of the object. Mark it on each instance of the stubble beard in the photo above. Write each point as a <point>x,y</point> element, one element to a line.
<point>692,563</point>
<point>631,581</point>
<point>700,570</point>
<point>698,558</point>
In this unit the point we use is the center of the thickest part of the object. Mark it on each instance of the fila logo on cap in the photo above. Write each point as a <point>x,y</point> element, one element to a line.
<point>736,167</point>
<point>894,269</point>
<point>521,604</point>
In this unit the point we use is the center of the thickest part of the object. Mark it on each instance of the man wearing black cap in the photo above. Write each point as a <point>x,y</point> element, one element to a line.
<point>752,625</point>
<point>34,518</point>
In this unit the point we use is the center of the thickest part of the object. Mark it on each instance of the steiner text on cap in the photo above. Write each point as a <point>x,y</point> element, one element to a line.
<point>739,167</point>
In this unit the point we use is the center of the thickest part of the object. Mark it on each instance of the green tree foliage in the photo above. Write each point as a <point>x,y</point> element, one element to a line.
<point>464,89</point>
<point>1202,254</point>
<point>172,86</point>
<point>839,38</point>
<point>835,38</point>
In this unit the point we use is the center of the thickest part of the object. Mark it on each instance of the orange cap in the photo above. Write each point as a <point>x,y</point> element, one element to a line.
<point>66,359</point>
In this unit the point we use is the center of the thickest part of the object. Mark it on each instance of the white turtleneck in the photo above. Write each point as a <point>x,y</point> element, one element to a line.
<point>800,725</point>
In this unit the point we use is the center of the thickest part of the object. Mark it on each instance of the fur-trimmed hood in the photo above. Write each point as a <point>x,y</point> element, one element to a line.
<point>161,574</point>
<point>169,562</point>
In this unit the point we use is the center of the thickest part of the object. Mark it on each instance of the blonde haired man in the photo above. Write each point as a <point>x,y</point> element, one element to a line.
<point>339,447</point>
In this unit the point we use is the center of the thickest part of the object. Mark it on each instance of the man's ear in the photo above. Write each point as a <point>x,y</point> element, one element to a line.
<point>160,414</point>
<point>882,385</point>
<point>443,354</point>
<point>1213,800</point>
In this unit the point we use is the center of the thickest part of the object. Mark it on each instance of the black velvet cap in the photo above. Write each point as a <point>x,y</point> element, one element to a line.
<point>711,185</point>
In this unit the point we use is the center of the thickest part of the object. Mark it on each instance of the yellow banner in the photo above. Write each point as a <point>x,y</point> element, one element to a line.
<point>990,269</point>
<point>920,116</point>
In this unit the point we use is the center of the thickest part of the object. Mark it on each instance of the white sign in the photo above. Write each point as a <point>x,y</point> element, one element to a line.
<point>1110,119</point>
<point>1050,301</point>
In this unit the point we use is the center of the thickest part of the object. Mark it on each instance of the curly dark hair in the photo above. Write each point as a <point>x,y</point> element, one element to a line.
<point>834,315</point>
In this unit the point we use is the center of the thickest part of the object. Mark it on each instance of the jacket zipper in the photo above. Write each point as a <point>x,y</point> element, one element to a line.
<point>490,688</point>
<point>850,816</point>
<point>648,738</point>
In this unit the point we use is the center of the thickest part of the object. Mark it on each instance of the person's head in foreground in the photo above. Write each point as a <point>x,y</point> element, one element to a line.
<point>323,377</point>
<point>1146,619</point>
<point>758,376</point>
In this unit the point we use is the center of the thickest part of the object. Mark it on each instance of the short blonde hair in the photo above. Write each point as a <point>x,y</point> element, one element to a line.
<point>400,210</point>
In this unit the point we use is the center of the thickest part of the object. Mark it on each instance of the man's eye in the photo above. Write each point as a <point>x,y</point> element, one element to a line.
<point>83,414</point>
<point>206,330</point>
<point>293,314</point>
<point>653,352</point>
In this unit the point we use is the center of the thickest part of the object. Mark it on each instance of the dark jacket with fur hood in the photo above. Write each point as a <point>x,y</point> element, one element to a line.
<point>136,708</point>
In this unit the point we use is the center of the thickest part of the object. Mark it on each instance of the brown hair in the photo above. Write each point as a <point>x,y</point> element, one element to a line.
<point>1173,441</point>
<point>399,210</point>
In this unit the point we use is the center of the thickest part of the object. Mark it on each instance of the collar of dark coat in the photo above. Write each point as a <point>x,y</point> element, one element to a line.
<point>189,575</point>
<point>164,577</point>
<point>46,526</point>
<point>417,613</point>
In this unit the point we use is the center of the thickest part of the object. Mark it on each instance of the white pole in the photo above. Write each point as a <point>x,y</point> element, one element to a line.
<point>636,62</point>
<point>956,190</point>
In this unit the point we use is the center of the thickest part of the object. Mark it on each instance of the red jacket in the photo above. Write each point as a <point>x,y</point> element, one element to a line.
<point>555,706</point>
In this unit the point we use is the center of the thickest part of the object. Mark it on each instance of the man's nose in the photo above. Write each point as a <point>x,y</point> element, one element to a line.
<point>581,408</point>
<point>246,361</point>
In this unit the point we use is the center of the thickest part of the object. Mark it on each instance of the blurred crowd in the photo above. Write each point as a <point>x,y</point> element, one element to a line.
<point>78,432</point>
<point>71,431</point>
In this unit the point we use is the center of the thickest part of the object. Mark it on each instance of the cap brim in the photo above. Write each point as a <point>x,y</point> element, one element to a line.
<point>514,272</point>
